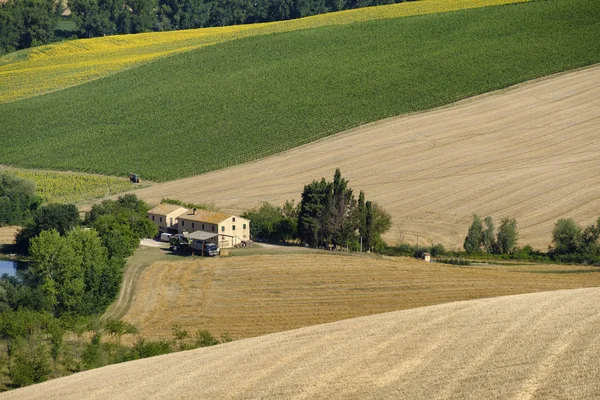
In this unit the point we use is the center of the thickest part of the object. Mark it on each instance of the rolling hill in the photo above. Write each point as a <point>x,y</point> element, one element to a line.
<point>247,296</point>
<point>53,67</point>
<point>245,99</point>
<point>528,153</point>
<point>534,346</point>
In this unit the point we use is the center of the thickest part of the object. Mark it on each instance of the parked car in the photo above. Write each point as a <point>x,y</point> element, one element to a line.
<point>211,250</point>
<point>166,237</point>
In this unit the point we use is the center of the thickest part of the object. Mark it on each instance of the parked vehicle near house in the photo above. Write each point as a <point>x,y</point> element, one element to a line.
<point>211,250</point>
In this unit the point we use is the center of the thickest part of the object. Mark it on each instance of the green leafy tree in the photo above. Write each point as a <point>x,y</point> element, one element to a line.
<point>30,360</point>
<point>314,213</point>
<point>59,217</point>
<point>488,235</point>
<point>17,196</point>
<point>27,23</point>
<point>472,242</point>
<point>507,235</point>
<point>566,237</point>
<point>205,338</point>
<point>590,240</point>
<point>57,268</point>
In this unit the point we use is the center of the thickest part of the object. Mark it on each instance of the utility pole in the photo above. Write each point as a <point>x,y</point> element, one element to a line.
<point>361,243</point>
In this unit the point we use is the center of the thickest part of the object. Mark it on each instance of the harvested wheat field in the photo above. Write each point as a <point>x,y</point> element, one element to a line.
<point>534,346</point>
<point>261,294</point>
<point>7,234</point>
<point>528,152</point>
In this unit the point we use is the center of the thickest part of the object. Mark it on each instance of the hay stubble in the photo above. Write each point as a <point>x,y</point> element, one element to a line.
<point>529,152</point>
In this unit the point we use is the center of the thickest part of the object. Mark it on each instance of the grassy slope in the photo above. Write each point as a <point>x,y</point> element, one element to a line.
<point>44,69</point>
<point>246,99</point>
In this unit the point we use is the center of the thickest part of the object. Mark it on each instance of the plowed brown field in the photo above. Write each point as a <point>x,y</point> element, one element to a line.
<point>535,346</point>
<point>256,295</point>
<point>529,152</point>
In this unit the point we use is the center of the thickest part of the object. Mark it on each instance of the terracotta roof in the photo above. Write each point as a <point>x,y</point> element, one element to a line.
<point>165,209</point>
<point>205,216</point>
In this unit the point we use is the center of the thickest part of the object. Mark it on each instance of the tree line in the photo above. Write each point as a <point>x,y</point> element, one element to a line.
<point>74,272</point>
<point>27,23</point>
<point>570,242</point>
<point>328,216</point>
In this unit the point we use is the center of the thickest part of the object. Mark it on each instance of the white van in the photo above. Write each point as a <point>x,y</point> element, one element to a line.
<point>165,237</point>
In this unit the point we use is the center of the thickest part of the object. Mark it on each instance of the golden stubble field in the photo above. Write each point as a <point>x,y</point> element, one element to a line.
<point>7,234</point>
<point>529,152</point>
<point>249,296</point>
<point>534,346</point>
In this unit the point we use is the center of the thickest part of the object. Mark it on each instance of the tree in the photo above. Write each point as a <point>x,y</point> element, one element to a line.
<point>472,242</point>
<point>590,240</point>
<point>30,360</point>
<point>507,235</point>
<point>313,215</point>
<point>27,23</point>
<point>59,217</point>
<point>330,216</point>
<point>57,268</point>
<point>17,196</point>
<point>488,235</point>
<point>566,237</point>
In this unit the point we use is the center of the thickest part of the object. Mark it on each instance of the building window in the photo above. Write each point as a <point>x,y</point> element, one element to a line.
<point>202,226</point>
<point>182,223</point>
<point>213,228</point>
<point>244,226</point>
<point>153,218</point>
<point>160,219</point>
<point>233,219</point>
<point>223,228</point>
<point>233,227</point>
<point>192,225</point>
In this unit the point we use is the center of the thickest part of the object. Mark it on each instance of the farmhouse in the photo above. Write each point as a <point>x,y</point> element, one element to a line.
<point>165,216</point>
<point>228,229</point>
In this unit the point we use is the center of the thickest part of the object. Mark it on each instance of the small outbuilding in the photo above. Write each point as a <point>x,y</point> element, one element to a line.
<point>426,257</point>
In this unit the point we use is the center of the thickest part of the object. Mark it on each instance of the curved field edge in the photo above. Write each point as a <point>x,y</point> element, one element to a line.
<point>45,69</point>
<point>243,100</point>
<point>542,345</point>
<point>254,295</point>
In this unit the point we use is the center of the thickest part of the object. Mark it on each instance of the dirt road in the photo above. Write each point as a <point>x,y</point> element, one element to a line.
<point>536,346</point>
<point>528,152</point>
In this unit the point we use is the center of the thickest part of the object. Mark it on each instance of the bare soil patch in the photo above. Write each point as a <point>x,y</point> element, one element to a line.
<point>534,346</point>
<point>528,152</point>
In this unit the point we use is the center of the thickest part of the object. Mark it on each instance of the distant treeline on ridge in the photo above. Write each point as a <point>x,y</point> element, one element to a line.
<point>27,23</point>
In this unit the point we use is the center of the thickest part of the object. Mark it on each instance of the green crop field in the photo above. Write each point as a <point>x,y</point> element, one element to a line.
<point>242,100</point>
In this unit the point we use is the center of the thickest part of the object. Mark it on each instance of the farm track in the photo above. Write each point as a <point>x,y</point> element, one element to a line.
<point>527,152</point>
<point>534,346</point>
<point>249,296</point>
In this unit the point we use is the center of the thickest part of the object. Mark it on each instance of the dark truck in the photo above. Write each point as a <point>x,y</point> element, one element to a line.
<point>211,250</point>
